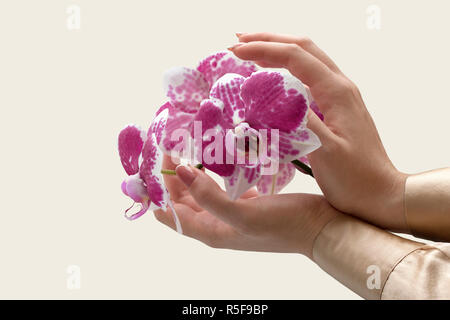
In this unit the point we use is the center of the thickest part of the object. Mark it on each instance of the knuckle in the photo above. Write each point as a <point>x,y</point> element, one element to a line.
<point>333,146</point>
<point>304,41</point>
<point>348,86</point>
<point>292,48</point>
<point>345,88</point>
<point>264,36</point>
<point>292,51</point>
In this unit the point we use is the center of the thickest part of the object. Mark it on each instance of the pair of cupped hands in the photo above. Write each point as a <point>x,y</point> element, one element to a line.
<point>352,168</point>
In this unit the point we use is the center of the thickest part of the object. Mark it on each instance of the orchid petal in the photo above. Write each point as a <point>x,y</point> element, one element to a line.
<point>242,179</point>
<point>131,141</point>
<point>279,101</point>
<point>150,172</point>
<point>295,145</point>
<point>272,184</point>
<point>123,186</point>
<point>213,127</point>
<point>304,160</point>
<point>143,209</point>
<point>313,105</point>
<point>227,89</point>
<point>186,88</point>
<point>176,122</point>
<point>159,122</point>
<point>221,63</point>
<point>274,100</point>
<point>135,188</point>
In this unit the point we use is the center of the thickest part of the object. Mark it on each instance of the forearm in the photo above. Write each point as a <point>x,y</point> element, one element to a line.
<point>359,255</point>
<point>376,264</point>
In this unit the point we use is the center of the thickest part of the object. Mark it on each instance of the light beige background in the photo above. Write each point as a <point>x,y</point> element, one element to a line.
<point>64,96</point>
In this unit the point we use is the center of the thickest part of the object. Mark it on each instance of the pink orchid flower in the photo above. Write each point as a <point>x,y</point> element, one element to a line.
<point>142,159</point>
<point>243,103</point>
<point>270,100</point>
<point>187,88</point>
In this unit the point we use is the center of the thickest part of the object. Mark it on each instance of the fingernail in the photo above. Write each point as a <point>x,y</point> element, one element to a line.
<point>238,34</point>
<point>231,48</point>
<point>186,174</point>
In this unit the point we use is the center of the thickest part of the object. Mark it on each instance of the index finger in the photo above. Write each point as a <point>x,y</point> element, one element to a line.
<point>306,43</point>
<point>299,62</point>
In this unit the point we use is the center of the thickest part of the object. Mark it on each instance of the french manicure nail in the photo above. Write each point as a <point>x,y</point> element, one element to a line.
<point>186,174</point>
<point>238,34</point>
<point>231,48</point>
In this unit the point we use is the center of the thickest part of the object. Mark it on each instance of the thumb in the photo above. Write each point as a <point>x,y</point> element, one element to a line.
<point>208,195</point>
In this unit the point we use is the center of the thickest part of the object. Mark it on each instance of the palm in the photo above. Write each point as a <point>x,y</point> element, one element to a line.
<point>268,223</point>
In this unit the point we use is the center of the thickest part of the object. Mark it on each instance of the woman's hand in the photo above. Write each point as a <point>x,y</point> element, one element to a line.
<point>279,223</point>
<point>352,167</point>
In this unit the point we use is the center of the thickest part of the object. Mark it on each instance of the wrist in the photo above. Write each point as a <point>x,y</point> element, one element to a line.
<point>427,204</point>
<point>324,214</point>
<point>353,252</point>
<point>393,204</point>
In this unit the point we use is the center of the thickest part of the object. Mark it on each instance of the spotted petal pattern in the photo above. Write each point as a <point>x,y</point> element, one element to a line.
<point>221,63</point>
<point>274,100</point>
<point>186,88</point>
<point>177,121</point>
<point>313,105</point>
<point>227,89</point>
<point>131,142</point>
<point>159,122</point>
<point>279,101</point>
<point>213,126</point>
<point>145,184</point>
<point>150,172</point>
<point>229,98</point>
<point>272,184</point>
<point>242,179</point>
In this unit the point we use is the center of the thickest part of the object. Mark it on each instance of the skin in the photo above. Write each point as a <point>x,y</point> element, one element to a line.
<point>277,223</point>
<point>352,167</point>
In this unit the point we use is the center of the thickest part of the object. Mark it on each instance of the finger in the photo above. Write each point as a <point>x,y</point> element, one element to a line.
<point>177,189</point>
<point>299,62</point>
<point>303,42</point>
<point>319,127</point>
<point>264,64</point>
<point>173,184</point>
<point>251,193</point>
<point>207,193</point>
<point>198,225</point>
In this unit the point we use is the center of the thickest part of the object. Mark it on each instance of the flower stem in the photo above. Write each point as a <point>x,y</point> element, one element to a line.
<point>302,167</point>
<point>173,173</point>
<point>169,172</point>
<point>297,163</point>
